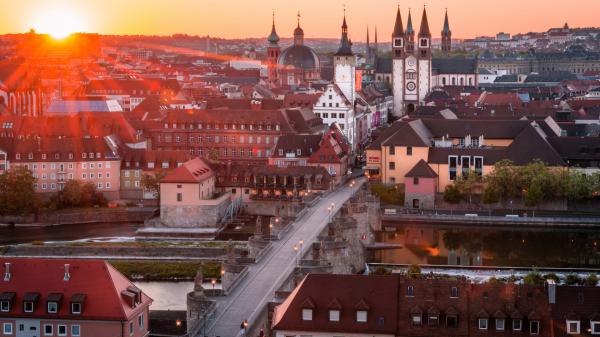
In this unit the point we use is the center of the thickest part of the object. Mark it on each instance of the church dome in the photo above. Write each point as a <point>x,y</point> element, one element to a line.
<point>299,56</point>
<point>298,31</point>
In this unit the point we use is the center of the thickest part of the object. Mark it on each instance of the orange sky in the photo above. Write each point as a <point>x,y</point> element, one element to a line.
<point>320,18</point>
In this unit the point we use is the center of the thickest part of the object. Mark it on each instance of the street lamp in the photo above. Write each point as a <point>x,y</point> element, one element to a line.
<point>296,251</point>
<point>213,282</point>
<point>245,327</point>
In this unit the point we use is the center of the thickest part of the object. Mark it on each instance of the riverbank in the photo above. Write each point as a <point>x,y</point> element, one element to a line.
<point>79,216</point>
<point>166,270</point>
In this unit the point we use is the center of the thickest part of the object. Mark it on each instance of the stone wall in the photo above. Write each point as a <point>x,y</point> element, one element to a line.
<point>86,216</point>
<point>205,214</point>
<point>61,250</point>
<point>426,201</point>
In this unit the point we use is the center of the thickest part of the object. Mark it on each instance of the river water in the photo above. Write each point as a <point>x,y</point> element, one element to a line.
<point>485,246</point>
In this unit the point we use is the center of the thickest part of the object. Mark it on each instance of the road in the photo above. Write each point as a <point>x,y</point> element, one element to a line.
<point>250,297</point>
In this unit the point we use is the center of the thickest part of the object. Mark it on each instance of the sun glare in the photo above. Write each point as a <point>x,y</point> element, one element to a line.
<point>59,23</point>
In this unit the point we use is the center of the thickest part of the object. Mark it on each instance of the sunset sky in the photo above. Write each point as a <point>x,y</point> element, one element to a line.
<point>320,18</point>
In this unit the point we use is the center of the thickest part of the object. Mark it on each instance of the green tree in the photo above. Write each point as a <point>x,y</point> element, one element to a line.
<point>413,271</point>
<point>591,280</point>
<point>504,180</point>
<point>579,186</point>
<point>534,278</point>
<point>468,183</point>
<point>17,193</point>
<point>70,196</point>
<point>490,194</point>
<point>534,195</point>
<point>151,182</point>
<point>572,279</point>
<point>452,194</point>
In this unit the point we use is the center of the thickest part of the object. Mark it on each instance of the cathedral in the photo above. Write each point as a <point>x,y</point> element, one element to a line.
<point>411,64</point>
<point>297,65</point>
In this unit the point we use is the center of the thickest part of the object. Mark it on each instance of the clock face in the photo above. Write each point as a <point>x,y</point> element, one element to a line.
<point>411,86</point>
<point>411,62</point>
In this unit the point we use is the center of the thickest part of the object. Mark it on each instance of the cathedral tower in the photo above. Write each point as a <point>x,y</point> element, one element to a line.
<point>398,53</point>
<point>344,65</point>
<point>424,57</point>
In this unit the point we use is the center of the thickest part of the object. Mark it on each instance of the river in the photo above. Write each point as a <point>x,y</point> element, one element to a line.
<point>485,246</point>
<point>65,232</point>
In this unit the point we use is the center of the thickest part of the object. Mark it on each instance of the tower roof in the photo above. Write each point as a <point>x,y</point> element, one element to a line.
<point>298,31</point>
<point>409,25</point>
<point>398,27</point>
<point>345,44</point>
<point>446,30</point>
<point>368,40</point>
<point>273,38</point>
<point>424,30</point>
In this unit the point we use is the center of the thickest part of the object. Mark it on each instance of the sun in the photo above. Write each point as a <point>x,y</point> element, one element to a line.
<point>59,23</point>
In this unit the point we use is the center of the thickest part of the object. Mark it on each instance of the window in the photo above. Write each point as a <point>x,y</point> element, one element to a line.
<point>454,292</point>
<point>500,324</point>
<point>7,328</point>
<point>416,319</point>
<point>410,291</point>
<point>130,328</point>
<point>52,307</point>
<point>465,163</point>
<point>28,307</point>
<point>534,327</point>
<point>433,320</point>
<point>76,308</point>
<point>451,321</point>
<point>478,165</point>
<point>48,329</point>
<point>334,315</point>
<point>595,325</point>
<point>392,150</point>
<point>517,324</point>
<point>573,327</point>
<point>307,314</point>
<point>141,321</point>
<point>61,330</point>
<point>392,165</point>
<point>415,180</point>
<point>482,323</point>
<point>179,197</point>
<point>5,306</point>
<point>409,150</point>
<point>452,167</point>
<point>361,316</point>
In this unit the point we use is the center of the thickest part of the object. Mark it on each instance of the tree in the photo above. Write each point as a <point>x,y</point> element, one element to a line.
<point>151,182</point>
<point>534,195</point>
<point>452,194</point>
<point>79,194</point>
<point>504,180</point>
<point>490,194</point>
<point>468,183</point>
<point>413,271</point>
<point>17,192</point>
<point>579,186</point>
<point>591,280</point>
<point>70,196</point>
<point>534,278</point>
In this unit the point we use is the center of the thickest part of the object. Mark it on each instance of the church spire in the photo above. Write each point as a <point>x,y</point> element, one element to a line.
<point>298,34</point>
<point>345,44</point>
<point>398,27</point>
<point>409,25</point>
<point>273,38</point>
<point>424,30</point>
<point>446,30</point>
<point>368,41</point>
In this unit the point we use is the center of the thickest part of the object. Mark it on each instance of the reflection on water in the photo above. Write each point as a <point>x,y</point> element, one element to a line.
<point>491,247</point>
<point>65,232</point>
<point>167,295</point>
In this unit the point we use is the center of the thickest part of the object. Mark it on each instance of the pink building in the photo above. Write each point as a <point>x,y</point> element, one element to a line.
<point>71,298</point>
<point>420,186</point>
<point>54,161</point>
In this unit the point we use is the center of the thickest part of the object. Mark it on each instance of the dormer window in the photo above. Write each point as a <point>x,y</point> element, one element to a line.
<point>70,155</point>
<point>77,303</point>
<point>517,324</point>
<point>307,314</point>
<point>53,303</point>
<point>482,323</point>
<point>84,155</point>
<point>29,301</point>
<point>56,156</point>
<point>534,327</point>
<point>500,324</point>
<point>334,315</point>
<point>454,292</point>
<point>18,156</point>
<point>595,326</point>
<point>410,291</point>
<point>361,316</point>
<point>43,156</point>
<point>30,155</point>
<point>298,152</point>
<point>6,300</point>
<point>573,327</point>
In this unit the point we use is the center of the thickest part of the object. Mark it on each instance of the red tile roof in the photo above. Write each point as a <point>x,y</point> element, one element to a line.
<point>193,171</point>
<point>100,282</point>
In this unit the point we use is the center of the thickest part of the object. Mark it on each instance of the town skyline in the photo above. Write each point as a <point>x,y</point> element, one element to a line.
<point>322,20</point>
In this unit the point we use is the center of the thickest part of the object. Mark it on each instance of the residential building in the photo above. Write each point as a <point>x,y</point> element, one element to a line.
<point>57,297</point>
<point>129,93</point>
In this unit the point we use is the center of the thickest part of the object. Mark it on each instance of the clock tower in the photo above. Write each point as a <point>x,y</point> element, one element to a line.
<point>411,65</point>
<point>344,63</point>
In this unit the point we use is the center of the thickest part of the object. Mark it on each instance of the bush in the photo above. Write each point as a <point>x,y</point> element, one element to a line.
<point>393,195</point>
<point>591,280</point>
<point>381,271</point>
<point>494,280</point>
<point>413,271</point>
<point>534,278</point>
<point>572,279</point>
<point>452,194</point>
<point>552,276</point>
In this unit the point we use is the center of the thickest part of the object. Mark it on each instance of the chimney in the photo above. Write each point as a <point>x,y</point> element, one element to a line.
<point>7,271</point>
<point>551,291</point>
<point>67,274</point>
